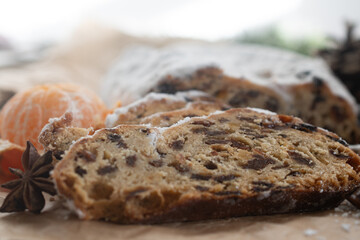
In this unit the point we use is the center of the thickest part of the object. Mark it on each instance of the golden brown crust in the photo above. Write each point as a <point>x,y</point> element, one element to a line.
<point>233,206</point>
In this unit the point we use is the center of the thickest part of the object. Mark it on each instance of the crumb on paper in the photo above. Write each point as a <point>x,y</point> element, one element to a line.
<point>346,227</point>
<point>310,232</point>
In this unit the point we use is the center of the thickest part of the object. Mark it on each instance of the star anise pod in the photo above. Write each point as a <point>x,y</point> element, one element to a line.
<point>26,192</point>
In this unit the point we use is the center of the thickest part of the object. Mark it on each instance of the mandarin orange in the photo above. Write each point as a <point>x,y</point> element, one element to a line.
<point>24,115</point>
<point>10,156</point>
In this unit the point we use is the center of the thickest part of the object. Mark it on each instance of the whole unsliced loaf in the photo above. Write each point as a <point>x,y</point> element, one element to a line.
<point>242,76</point>
<point>233,163</point>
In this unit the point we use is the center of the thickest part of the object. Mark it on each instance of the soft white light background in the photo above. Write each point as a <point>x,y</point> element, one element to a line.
<point>35,21</point>
<point>211,19</point>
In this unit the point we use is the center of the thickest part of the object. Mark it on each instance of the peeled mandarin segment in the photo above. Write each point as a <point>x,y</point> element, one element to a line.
<point>24,115</point>
<point>10,156</point>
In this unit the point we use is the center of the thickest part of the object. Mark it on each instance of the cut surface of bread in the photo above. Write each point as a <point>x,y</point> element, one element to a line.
<point>228,164</point>
<point>155,109</point>
<point>58,135</point>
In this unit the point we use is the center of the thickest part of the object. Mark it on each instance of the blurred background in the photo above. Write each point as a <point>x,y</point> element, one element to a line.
<point>80,41</point>
<point>43,40</point>
<point>42,22</point>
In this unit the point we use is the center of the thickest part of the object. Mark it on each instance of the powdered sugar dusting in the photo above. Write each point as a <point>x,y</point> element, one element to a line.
<point>49,125</point>
<point>182,121</point>
<point>153,136</point>
<point>191,94</point>
<point>259,110</point>
<point>111,119</point>
<point>140,68</point>
<point>71,206</point>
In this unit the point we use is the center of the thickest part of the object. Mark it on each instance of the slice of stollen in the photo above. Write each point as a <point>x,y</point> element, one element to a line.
<point>233,163</point>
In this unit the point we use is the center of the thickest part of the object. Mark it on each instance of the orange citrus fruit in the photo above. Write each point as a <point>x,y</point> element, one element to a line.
<point>10,156</point>
<point>25,114</point>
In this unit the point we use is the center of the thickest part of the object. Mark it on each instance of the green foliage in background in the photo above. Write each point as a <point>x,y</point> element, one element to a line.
<point>272,36</point>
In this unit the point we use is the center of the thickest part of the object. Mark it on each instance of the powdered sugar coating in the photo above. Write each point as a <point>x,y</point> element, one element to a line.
<point>71,206</point>
<point>140,68</point>
<point>264,111</point>
<point>111,119</point>
<point>50,124</point>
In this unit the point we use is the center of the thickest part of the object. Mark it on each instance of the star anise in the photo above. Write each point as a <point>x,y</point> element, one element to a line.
<point>26,192</point>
